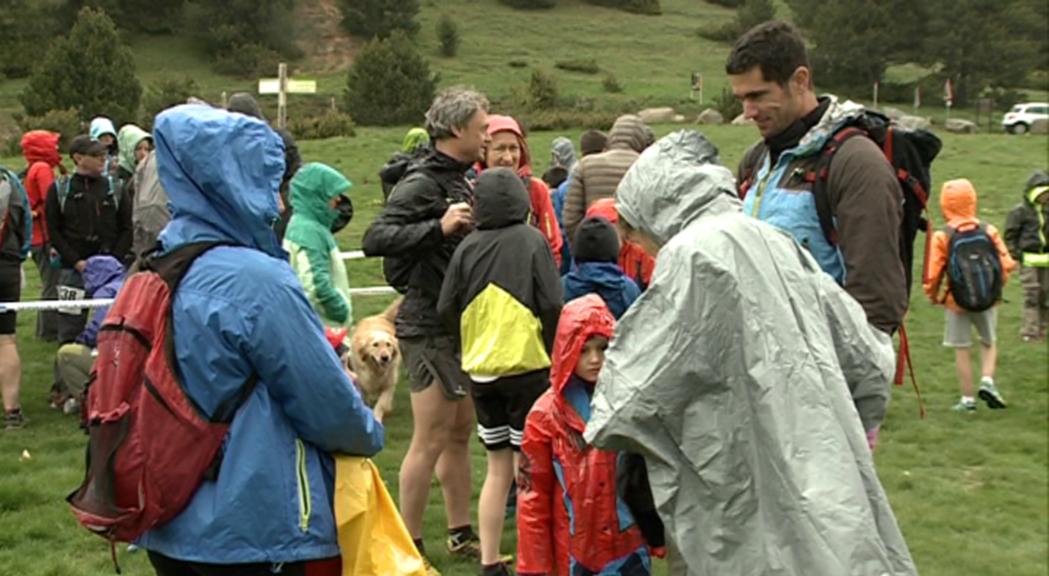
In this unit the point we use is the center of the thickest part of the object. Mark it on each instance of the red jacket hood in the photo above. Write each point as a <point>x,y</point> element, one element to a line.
<point>500,123</point>
<point>580,319</point>
<point>41,146</point>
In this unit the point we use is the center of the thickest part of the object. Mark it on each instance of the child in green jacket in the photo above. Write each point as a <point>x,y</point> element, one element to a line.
<point>318,197</point>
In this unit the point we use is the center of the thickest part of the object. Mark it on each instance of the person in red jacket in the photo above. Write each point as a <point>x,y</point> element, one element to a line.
<point>40,149</point>
<point>569,518</point>
<point>633,260</point>
<point>508,149</point>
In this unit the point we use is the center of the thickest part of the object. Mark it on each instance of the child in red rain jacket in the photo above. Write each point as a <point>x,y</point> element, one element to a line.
<point>569,517</point>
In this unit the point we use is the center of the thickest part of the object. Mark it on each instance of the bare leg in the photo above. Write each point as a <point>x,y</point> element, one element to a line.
<point>10,372</point>
<point>453,466</point>
<point>963,364</point>
<point>430,434</point>
<point>988,360</point>
<point>491,509</point>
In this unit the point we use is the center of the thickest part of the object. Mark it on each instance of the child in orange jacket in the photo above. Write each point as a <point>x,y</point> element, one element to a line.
<point>958,204</point>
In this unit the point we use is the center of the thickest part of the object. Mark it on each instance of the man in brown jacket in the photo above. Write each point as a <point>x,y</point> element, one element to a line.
<point>597,176</point>
<point>770,74</point>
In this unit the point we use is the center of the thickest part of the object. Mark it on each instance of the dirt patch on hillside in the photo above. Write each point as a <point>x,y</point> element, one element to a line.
<point>326,44</point>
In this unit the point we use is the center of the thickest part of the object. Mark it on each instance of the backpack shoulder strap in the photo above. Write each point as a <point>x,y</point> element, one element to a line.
<point>820,179</point>
<point>172,268</point>
<point>62,187</point>
<point>749,167</point>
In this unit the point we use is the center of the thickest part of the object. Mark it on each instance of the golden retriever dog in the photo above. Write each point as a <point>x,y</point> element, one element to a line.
<point>375,359</point>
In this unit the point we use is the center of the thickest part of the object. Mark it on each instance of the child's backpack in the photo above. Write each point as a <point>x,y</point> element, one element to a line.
<point>974,268</point>
<point>13,194</point>
<point>150,445</point>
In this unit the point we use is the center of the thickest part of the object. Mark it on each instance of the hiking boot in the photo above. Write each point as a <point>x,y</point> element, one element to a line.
<point>964,407</point>
<point>14,420</point>
<point>500,569</point>
<point>989,394</point>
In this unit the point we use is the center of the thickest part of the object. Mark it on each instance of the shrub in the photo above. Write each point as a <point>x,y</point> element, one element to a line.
<point>379,18</point>
<point>448,36</point>
<point>727,104</point>
<point>581,65</point>
<point>542,90</point>
<point>390,83</point>
<point>530,4</point>
<point>247,61</point>
<point>26,26</point>
<point>241,35</point>
<point>636,6</point>
<point>517,64</point>
<point>611,84</point>
<point>65,122</point>
<point>331,124</point>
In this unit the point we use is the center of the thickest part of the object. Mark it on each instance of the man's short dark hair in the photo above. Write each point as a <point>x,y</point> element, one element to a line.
<point>776,47</point>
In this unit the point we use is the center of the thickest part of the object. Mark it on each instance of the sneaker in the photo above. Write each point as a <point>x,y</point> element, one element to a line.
<point>470,549</point>
<point>989,394</point>
<point>71,406</point>
<point>14,420</point>
<point>964,407</point>
<point>500,569</point>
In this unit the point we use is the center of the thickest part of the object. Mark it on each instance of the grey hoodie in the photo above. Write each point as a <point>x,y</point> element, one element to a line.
<point>732,374</point>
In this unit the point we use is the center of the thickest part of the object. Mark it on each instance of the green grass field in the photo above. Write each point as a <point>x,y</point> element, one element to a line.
<point>970,492</point>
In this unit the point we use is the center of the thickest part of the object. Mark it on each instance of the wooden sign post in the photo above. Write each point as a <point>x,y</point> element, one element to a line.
<point>282,86</point>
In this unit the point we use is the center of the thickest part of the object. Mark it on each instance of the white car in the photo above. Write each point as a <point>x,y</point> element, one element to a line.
<point>1019,119</point>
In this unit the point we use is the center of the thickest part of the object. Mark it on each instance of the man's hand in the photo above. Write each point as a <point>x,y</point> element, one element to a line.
<point>80,266</point>
<point>457,218</point>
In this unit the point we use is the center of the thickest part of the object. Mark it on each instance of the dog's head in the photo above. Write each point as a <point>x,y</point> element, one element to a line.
<point>379,349</point>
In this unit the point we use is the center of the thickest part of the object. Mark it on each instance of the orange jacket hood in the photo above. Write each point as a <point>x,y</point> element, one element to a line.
<point>958,202</point>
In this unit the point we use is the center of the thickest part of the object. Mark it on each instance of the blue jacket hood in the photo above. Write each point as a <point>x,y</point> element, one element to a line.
<point>222,172</point>
<point>101,270</point>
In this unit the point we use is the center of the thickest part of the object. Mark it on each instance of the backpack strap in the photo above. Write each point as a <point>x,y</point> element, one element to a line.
<point>749,167</point>
<point>172,268</point>
<point>62,187</point>
<point>819,180</point>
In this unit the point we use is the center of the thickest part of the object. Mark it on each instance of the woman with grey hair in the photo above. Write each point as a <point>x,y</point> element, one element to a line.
<point>426,216</point>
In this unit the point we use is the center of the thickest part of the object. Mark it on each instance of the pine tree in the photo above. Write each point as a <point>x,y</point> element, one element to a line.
<point>26,26</point>
<point>91,69</point>
<point>389,83</point>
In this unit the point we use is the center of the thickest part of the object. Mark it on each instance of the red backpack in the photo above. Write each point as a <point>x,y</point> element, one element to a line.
<point>150,445</point>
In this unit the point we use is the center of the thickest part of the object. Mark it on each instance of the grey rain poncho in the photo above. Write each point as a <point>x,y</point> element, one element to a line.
<point>741,375</point>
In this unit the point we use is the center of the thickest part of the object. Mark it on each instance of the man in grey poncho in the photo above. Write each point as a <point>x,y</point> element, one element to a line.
<point>742,376</point>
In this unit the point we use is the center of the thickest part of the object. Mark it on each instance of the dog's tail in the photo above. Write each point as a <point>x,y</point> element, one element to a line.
<point>390,313</point>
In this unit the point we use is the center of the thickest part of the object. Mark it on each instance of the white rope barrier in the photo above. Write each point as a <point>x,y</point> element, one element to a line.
<point>99,302</point>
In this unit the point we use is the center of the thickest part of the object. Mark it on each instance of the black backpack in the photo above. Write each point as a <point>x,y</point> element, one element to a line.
<point>974,269</point>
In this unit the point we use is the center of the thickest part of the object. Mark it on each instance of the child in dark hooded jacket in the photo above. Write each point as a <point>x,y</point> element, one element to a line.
<point>502,297</point>
<point>596,269</point>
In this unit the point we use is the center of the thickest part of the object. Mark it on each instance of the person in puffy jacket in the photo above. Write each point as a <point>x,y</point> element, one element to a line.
<point>40,149</point>
<point>240,311</point>
<point>958,203</point>
<point>316,191</point>
<point>595,269</point>
<point>103,277</point>
<point>509,149</point>
<point>1027,236</point>
<point>570,519</point>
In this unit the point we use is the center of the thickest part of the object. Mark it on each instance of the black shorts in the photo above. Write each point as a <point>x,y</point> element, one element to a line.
<point>430,359</point>
<point>502,407</point>
<point>10,291</point>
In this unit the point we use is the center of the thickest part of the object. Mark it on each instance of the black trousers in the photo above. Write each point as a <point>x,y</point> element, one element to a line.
<point>165,566</point>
